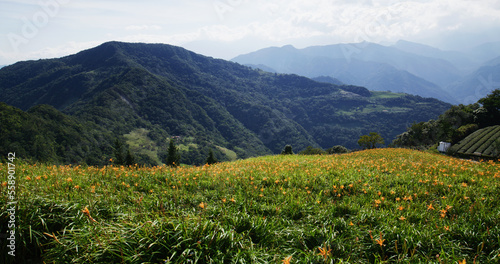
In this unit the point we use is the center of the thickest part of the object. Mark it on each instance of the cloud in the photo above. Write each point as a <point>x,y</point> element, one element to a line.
<point>143,27</point>
<point>271,22</point>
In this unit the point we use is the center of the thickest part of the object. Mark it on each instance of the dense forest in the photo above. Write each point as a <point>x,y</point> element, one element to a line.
<point>44,134</point>
<point>146,94</point>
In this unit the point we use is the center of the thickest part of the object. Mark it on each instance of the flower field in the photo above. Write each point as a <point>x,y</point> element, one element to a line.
<point>374,206</point>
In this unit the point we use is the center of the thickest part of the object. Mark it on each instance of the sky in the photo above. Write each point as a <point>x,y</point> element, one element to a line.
<point>38,29</point>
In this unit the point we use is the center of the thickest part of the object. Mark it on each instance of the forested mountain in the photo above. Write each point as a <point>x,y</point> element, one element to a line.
<point>47,135</point>
<point>148,93</point>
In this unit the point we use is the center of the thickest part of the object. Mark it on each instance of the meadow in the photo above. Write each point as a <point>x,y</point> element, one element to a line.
<point>373,206</point>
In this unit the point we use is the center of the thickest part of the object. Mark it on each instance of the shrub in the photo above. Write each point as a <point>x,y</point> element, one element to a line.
<point>288,150</point>
<point>338,149</point>
<point>312,151</point>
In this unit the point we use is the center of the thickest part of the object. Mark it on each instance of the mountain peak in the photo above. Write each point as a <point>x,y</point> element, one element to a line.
<point>289,47</point>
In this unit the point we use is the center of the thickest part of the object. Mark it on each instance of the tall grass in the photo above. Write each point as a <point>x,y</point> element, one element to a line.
<point>376,206</point>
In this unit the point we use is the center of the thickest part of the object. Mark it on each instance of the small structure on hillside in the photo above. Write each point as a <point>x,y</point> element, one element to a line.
<point>444,146</point>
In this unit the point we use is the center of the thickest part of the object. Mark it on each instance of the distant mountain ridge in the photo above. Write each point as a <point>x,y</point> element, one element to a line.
<point>477,84</point>
<point>205,103</point>
<point>403,67</point>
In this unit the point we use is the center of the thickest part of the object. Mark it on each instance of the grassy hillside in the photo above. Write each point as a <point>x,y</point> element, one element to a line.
<point>382,205</point>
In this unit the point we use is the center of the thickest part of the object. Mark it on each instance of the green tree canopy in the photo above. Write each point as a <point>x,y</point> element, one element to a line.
<point>312,151</point>
<point>211,157</point>
<point>338,149</point>
<point>370,141</point>
<point>288,150</point>
<point>491,113</point>
<point>173,155</point>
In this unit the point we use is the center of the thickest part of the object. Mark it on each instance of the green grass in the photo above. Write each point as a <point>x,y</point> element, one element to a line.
<point>385,95</point>
<point>231,155</point>
<point>139,142</point>
<point>377,206</point>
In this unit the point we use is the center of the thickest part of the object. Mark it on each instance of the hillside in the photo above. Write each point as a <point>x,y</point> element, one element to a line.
<point>455,125</point>
<point>159,91</point>
<point>382,205</point>
<point>482,143</point>
<point>46,135</point>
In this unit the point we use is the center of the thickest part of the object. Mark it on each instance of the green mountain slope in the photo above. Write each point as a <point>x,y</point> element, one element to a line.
<point>205,102</point>
<point>45,134</point>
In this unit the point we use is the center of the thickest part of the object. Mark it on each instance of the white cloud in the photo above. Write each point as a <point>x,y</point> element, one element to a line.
<point>275,22</point>
<point>143,27</point>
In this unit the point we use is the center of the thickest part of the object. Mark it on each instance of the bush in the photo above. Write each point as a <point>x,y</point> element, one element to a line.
<point>337,150</point>
<point>287,151</point>
<point>312,151</point>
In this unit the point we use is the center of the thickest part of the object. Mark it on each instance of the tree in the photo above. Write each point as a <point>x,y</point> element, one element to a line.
<point>370,141</point>
<point>119,152</point>
<point>490,115</point>
<point>129,158</point>
<point>211,157</point>
<point>287,151</point>
<point>312,151</point>
<point>337,150</point>
<point>173,155</point>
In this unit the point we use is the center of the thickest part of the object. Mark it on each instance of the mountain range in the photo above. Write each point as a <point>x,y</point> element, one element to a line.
<point>146,94</point>
<point>406,67</point>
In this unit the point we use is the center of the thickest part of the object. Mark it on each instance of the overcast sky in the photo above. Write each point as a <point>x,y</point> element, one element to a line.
<point>33,29</point>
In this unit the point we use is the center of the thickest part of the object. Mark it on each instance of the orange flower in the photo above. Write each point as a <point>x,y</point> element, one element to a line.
<point>287,260</point>
<point>87,213</point>
<point>324,252</point>
<point>202,205</point>
<point>430,207</point>
<point>380,241</point>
